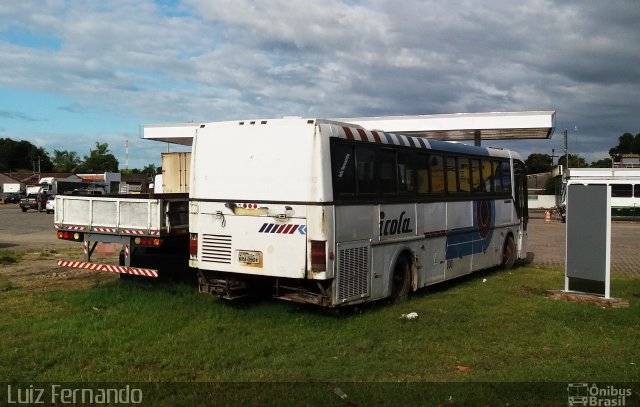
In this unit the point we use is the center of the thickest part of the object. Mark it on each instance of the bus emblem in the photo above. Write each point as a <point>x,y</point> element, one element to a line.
<point>394,226</point>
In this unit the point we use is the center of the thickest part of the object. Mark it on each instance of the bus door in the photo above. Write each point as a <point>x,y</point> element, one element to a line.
<point>521,201</point>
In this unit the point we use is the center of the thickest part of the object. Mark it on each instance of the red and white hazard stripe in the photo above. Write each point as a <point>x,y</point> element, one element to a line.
<point>71,227</point>
<point>133,232</point>
<point>137,271</point>
<point>105,230</point>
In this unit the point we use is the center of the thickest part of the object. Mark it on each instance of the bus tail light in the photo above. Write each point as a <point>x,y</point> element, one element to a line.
<point>318,255</point>
<point>193,245</point>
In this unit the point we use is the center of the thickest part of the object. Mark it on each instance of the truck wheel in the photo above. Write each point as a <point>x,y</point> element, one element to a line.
<point>24,209</point>
<point>401,279</point>
<point>508,254</point>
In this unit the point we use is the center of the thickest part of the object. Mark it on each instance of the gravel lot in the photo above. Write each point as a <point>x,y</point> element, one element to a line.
<point>29,230</point>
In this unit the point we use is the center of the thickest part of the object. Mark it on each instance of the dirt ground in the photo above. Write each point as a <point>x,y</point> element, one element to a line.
<point>31,234</point>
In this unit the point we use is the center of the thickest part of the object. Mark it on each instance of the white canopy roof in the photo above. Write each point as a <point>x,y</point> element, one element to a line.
<point>459,126</point>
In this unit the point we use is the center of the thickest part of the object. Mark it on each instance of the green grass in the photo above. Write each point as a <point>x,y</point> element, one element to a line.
<point>503,330</point>
<point>8,257</point>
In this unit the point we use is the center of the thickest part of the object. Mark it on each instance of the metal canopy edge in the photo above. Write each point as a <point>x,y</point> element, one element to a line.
<point>466,126</point>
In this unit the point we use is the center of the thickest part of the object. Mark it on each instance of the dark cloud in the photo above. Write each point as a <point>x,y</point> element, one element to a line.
<point>217,60</point>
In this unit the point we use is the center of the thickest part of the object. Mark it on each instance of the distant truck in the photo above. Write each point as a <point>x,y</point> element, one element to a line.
<point>55,186</point>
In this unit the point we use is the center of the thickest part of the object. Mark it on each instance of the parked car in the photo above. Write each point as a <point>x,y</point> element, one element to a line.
<point>50,206</point>
<point>13,198</point>
<point>34,201</point>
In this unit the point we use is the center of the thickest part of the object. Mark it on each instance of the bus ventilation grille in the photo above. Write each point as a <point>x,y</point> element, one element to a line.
<point>216,249</point>
<point>353,280</point>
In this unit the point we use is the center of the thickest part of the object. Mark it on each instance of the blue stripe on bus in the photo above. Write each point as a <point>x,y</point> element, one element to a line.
<point>264,226</point>
<point>475,239</point>
<point>413,144</point>
<point>422,143</point>
<point>389,138</point>
<point>400,140</point>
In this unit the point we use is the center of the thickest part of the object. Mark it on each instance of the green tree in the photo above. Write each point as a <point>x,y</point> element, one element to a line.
<point>627,144</point>
<point>66,161</point>
<point>99,160</point>
<point>604,163</point>
<point>151,170</point>
<point>575,161</point>
<point>538,163</point>
<point>22,155</point>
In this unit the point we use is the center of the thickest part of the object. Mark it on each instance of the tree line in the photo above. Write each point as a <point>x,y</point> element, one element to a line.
<point>23,156</point>
<point>627,144</point>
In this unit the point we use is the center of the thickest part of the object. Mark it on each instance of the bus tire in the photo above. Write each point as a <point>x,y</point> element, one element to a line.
<point>401,279</point>
<point>508,253</point>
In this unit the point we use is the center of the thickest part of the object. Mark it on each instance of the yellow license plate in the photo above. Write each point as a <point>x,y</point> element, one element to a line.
<point>250,258</point>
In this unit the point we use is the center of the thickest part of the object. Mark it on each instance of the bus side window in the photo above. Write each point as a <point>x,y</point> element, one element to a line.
<point>496,176</point>
<point>621,190</point>
<point>452,181</point>
<point>422,173</point>
<point>436,168</point>
<point>406,173</point>
<point>505,175</point>
<point>343,168</point>
<point>387,167</point>
<point>487,173</point>
<point>477,183</point>
<point>366,170</point>
<point>464,175</point>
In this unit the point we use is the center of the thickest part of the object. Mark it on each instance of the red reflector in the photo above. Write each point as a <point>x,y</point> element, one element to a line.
<point>65,235</point>
<point>318,255</point>
<point>193,244</point>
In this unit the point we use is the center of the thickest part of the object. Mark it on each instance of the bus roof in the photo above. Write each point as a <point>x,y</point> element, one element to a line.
<point>448,127</point>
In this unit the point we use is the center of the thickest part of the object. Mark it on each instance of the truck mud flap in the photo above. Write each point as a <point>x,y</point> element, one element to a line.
<point>136,271</point>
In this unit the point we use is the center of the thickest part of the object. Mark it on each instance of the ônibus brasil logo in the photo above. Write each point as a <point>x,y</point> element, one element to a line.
<point>585,394</point>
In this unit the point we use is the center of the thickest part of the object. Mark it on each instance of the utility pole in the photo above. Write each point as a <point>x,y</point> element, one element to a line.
<point>553,155</point>
<point>566,150</point>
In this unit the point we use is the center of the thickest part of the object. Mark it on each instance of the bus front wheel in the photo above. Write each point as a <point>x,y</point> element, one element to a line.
<point>508,253</point>
<point>401,279</point>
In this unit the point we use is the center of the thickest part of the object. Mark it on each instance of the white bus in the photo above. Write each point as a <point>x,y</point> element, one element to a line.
<point>625,188</point>
<point>323,212</point>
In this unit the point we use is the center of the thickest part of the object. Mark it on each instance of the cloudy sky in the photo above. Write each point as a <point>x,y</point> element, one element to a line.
<point>73,73</point>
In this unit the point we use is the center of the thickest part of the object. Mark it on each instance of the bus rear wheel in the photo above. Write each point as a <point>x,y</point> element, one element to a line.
<point>508,253</point>
<point>401,279</point>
